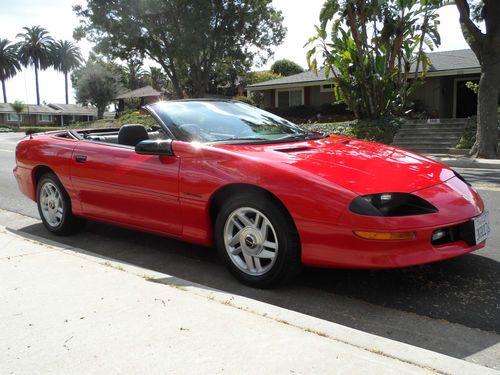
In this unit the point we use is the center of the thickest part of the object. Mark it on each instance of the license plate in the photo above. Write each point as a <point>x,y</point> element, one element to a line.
<point>481,227</point>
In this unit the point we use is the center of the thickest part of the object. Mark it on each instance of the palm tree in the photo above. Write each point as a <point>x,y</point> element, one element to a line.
<point>9,64</point>
<point>35,50</point>
<point>156,78</point>
<point>66,57</point>
<point>135,74</point>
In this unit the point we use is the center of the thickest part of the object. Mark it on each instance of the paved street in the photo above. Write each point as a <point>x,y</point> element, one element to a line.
<point>452,307</point>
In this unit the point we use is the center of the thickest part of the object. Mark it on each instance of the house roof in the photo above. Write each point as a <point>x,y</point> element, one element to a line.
<point>453,60</point>
<point>30,109</point>
<point>52,109</point>
<point>441,62</point>
<point>74,109</point>
<point>142,92</point>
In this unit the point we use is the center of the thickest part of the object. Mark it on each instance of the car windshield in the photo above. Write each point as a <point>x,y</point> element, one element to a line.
<point>225,121</point>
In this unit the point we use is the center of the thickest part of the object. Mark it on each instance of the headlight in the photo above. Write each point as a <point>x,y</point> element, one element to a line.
<point>391,204</point>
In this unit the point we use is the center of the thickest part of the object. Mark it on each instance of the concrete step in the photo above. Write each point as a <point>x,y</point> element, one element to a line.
<point>427,150</point>
<point>431,137</point>
<point>437,121</point>
<point>433,128</point>
<point>425,144</point>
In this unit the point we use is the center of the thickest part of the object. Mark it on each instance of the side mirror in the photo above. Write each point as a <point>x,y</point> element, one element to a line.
<point>161,147</point>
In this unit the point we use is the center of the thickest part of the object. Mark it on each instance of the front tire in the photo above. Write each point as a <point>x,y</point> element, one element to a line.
<point>54,206</point>
<point>257,240</point>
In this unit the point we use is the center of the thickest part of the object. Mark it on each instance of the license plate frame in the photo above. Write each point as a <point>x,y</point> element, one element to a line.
<point>482,227</point>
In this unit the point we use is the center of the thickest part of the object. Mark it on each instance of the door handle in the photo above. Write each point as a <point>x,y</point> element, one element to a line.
<point>81,158</point>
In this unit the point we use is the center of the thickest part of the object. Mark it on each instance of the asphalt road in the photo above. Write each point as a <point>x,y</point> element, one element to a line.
<point>452,307</point>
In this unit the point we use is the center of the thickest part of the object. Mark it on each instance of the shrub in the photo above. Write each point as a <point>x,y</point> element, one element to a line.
<point>468,137</point>
<point>382,131</point>
<point>340,128</point>
<point>40,129</point>
<point>244,99</point>
<point>303,111</point>
<point>333,109</point>
<point>136,117</point>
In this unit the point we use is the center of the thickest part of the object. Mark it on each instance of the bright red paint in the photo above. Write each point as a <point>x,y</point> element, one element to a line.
<point>315,180</point>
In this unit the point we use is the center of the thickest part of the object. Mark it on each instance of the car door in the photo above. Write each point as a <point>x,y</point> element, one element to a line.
<point>116,184</point>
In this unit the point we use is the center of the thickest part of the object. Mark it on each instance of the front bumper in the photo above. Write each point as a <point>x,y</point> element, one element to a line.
<point>328,245</point>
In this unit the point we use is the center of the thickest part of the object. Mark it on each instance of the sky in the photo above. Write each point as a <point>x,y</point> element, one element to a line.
<point>59,19</point>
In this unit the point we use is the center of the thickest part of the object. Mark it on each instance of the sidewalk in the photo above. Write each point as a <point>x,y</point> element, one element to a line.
<point>66,311</point>
<point>458,161</point>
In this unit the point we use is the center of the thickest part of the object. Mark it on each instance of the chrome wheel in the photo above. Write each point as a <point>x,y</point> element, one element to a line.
<point>250,241</point>
<point>51,204</point>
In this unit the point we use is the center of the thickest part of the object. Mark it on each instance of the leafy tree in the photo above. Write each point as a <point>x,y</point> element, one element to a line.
<point>97,85</point>
<point>18,107</point>
<point>187,38</point>
<point>486,47</point>
<point>286,67</point>
<point>372,46</point>
<point>157,78</point>
<point>261,76</point>
<point>66,57</point>
<point>9,64</point>
<point>35,49</point>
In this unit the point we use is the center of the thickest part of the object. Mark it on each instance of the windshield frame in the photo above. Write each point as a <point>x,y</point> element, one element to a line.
<point>166,122</point>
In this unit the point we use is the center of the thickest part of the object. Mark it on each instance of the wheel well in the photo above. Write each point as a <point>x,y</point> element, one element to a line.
<point>39,172</point>
<point>218,198</point>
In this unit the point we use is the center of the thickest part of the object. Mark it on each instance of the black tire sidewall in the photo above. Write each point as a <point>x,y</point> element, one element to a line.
<point>287,262</point>
<point>64,226</point>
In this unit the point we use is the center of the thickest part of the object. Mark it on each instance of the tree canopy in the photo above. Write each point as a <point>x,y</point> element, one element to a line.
<point>9,63</point>
<point>369,47</point>
<point>65,57</point>
<point>285,67</point>
<point>35,49</point>
<point>97,85</point>
<point>187,38</point>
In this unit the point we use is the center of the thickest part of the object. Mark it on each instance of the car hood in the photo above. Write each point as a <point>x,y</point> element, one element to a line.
<point>360,166</point>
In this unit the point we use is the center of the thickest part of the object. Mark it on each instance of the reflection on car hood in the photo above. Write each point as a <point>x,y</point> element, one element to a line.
<point>360,166</point>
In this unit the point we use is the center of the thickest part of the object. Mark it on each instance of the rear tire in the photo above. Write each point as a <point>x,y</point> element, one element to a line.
<point>257,240</point>
<point>54,206</point>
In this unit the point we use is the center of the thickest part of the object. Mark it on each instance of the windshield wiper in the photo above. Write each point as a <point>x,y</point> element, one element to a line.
<point>300,137</point>
<point>239,139</point>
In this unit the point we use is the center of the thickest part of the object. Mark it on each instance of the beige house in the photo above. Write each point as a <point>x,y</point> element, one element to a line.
<point>47,115</point>
<point>444,94</point>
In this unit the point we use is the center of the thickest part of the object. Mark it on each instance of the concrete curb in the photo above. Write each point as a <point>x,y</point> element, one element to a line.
<point>422,358</point>
<point>468,163</point>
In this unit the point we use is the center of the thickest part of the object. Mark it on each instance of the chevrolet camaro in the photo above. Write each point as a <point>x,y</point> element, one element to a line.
<point>268,195</point>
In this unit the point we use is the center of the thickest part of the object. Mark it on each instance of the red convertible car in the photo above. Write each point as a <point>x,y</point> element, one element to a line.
<point>270,196</point>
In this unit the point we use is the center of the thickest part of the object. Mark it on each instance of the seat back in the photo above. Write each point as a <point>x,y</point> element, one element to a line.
<point>132,134</point>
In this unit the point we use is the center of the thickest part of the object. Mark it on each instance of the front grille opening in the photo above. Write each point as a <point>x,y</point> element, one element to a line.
<point>464,232</point>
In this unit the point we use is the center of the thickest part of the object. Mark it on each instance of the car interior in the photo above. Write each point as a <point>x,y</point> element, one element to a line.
<point>127,135</point>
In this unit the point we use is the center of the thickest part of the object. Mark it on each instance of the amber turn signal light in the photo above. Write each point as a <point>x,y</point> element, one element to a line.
<point>385,235</point>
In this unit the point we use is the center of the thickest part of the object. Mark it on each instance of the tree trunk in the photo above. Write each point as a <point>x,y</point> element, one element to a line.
<point>487,116</point>
<point>37,90</point>
<point>100,112</point>
<point>4,93</point>
<point>66,86</point>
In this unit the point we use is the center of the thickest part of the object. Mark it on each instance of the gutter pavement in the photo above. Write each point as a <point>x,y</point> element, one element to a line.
<point>65,310</point>
<point>465,162</point>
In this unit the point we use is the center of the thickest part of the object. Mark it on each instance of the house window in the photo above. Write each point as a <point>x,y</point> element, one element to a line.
<point>326,88</point>
<point>45,118</point>
<point>13,117</point>
<point>289,98</point>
